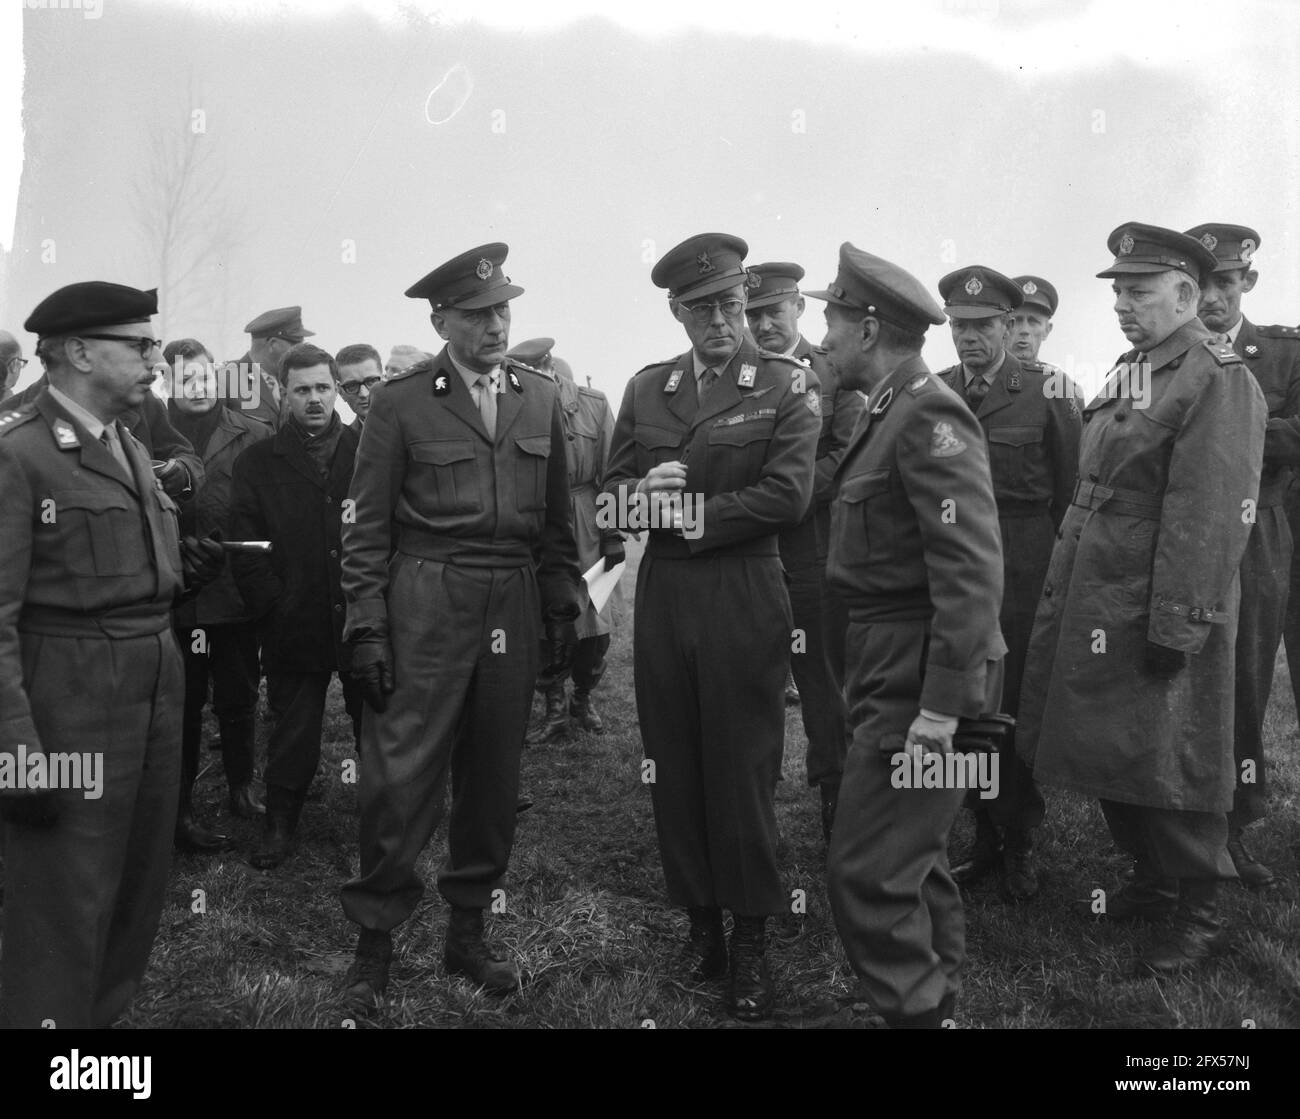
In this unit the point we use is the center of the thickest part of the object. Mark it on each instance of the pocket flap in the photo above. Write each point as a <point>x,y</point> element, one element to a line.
<point>737,435</point>
<point>862,486</point>
<point>654,437</point>
<point>534,444</point>
<point>442,452</point>
<point>94,501</point>
<point>1015,436</point>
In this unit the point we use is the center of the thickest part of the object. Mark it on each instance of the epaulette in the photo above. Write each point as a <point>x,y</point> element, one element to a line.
<point>772,355</point>
<point>515,363</point>
<point>654,365</point>
<point>424,365</point>
<point>1292,332</point>
<point>950,369</point>
<point>1222,352</point>
<point>919,384</point>
<point>10,421</point>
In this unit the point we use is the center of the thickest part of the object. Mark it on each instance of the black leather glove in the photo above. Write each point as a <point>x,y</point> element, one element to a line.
<point>201,560</point>
<point>34,810</point>
<point>174,477</point>
<point>372,668</point>
<point>1163,663</point>
<point>562,639</point>
<point>613,551</point>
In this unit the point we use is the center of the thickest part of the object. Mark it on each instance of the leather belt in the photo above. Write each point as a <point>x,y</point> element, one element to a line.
<point>1113,499</point>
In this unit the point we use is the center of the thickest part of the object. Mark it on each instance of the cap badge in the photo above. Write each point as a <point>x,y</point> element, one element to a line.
<point>1210,241</point>
<point>1030,287</point>
<point>484,269</point>
<point>1126,244</point>
<point>746,378</point>
<point>753,281</point>
<point>1248,248</point>
<point>705,264</point>
<point>673,381</point>
<point>973,286</point>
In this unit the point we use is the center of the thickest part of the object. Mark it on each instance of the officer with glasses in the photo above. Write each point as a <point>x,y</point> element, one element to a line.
<point>12,362</point>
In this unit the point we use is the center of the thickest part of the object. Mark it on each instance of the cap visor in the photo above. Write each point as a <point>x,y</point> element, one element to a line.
<point>974,312</point>
<point>827,297</point>
<point>1129,269</point>
<point>489,298</point>
<point>769,300</point>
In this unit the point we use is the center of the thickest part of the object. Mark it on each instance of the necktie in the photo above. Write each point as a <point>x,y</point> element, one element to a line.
<point>707,379</point>
<point>485,384</point>
<point>114,446</point>
<point>976,391</point>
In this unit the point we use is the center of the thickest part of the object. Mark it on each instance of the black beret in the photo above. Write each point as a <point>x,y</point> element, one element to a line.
<point>90,304</point>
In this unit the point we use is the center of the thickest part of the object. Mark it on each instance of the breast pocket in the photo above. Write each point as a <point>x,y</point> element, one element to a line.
<point>1012,450</point>
<point>655,445</point>
<point>447,468</point>
<point>534,451</point>
<point>736,454</point>
<point>861,533</point>
<point>101,532</point>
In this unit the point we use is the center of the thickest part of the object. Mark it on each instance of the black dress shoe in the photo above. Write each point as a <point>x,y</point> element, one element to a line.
<point>466,953</point>
<point>984,859</point>
<point>1192,937</point>
<point>1250,870</point>
<point>191,836</point>
<point>367,978</point>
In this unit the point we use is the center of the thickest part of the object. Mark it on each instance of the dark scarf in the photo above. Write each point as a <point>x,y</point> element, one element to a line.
<point>198,429</point>
<point>320,448</point>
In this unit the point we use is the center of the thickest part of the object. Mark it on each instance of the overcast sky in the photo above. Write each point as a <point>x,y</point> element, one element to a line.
<point>342,151</point>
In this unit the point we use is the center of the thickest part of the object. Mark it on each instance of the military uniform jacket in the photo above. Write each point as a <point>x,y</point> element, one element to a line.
<point>85,550</point>
<point>841,410</point>
<point>1150,552</point>
<point>749,450</point>
<point>588,428</point>
<point>429,482</point>
<point>914,532</point>
<point>1272,354</point>
<point>1031,420</point>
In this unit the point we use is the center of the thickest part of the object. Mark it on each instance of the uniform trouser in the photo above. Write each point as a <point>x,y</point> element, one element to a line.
<point>84,896</point>
<point>298,699</point>
<point>464,645</point>
<point>711,649</point>
<point>821,700</point>
<point>1027,544</point>
<point>1265,578</point>
<point>1291,626</point>
<point>1171,842</point>
<point>230,664</point>
<point>897,909</point>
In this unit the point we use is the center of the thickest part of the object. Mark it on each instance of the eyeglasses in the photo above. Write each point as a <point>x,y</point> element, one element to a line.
<point>354,387</point>
<point>703,312</point>
<point>141,342</point>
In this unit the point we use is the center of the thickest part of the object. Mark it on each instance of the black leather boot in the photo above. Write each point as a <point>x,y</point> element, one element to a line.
<point>749,996</point>
<point>1194,934</point>
<point>554,724</point>
<point>367,978</point>
<point>582,709</point>
<point>1148,897</point>
<point>1019,875</point>
<point>985,855</point>
<point>705,954</point>
<point>283,807</point>
<point>1250,870</point>
<point>466,953</point>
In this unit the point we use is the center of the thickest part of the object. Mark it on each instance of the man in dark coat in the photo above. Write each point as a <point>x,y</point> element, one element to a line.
<point>1031,425</point>
<point>718,444</point>
<point>773,310</point>
<point>915,555</point>
<point>1272,354</point>
<point>216,634</point>
<point>292,490</point>
<point>1128,690</point>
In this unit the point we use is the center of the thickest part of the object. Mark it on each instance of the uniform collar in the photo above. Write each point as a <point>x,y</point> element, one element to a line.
<point>1235,330</point>
<point>471,376</point>
<point>992,371</point>
<point>1178,343</point>
<point>88,420</point>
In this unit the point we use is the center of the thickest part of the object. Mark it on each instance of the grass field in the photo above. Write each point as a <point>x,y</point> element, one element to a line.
<point>586,914</point>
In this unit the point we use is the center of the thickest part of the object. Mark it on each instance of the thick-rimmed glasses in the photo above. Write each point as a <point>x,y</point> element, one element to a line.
<point>141,342</point>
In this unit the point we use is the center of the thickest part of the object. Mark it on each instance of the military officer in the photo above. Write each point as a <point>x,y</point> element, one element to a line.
<point>91,685</point>
<point>11,362</point>
<point>719,444</point>
<point>773,312</point>
<point>1031,322</point>
<point>588,427</point>
<point>1031,424</point>
<point>916,556</point>
<point>1272,354</point>
<point>271,335</point>
<point>1128,689</point>
<point>461,545</point>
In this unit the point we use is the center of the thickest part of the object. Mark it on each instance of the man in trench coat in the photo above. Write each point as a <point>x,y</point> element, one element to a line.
<point>1128,690</point>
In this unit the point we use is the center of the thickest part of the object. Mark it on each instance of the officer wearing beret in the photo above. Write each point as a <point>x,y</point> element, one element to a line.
<point>1272,354</point>
<point>1128,688</point>
<point>271,335</point>
<point>588,428</point>
<point>460,545</point>
<point>916,557</point>
<point>1031,322</point>
<point>773,312</point>
<point>91,686</point>
<point>1031,423</point>
<point>720,443</point>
